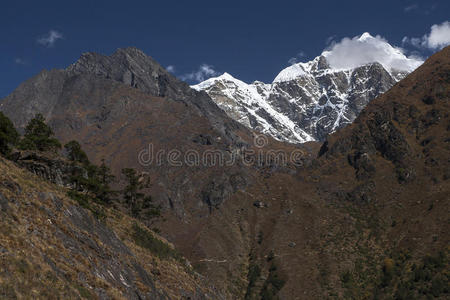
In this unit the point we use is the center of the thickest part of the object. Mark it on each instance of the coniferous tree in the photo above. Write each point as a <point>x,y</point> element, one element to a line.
<point>75,153</point>
<point>103,179</point>
<point>138,202</point>
<point>39,136</point>
<point>92,179</point>
<point>131,193</point>
<point>8,134</point>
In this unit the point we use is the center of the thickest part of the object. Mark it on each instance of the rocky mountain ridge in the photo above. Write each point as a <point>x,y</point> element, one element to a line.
<point>308,101</point>
<point>129,66</point>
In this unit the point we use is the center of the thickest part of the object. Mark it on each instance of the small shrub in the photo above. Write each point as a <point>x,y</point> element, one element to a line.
<point>260,237</point>
<point>84,292</point>
<point>346,277</point>
<point>428,100</point>
<point>146,240</point>
<point>254,272</point>
<point>85,201</point>
<point>388,271</point>
<point>271,255</point>
<point>273,284</point>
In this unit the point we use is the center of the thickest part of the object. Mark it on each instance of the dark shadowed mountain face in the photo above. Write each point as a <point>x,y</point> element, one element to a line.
<point>50,90</point>
<point>376,197</point>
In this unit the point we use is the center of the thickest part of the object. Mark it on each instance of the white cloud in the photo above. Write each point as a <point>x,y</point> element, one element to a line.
<point>411,7</point>
<point>416,42</point>
<point>204,72</point>
<point>48,40</point>
<point>170,69</point>
<point>360,50</point>
<point>19,61</point>
<point>438,38</point>
<point>296,58</point>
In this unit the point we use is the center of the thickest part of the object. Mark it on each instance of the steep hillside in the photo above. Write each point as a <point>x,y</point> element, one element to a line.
<point>368,217</point>
<point>362,215</point>
<point>52,248</point>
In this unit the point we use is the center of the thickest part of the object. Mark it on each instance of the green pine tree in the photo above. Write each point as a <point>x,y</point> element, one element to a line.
<point>137,202</point>
<point>39,136</point>
<point>8,134</point>
<point>75,153</point>
<point>103,179</point>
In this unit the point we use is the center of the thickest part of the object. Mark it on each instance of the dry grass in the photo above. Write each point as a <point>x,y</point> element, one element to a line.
<point>36,259</point>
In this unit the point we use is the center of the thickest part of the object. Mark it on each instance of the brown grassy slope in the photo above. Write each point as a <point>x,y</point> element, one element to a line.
<point>51,248</point>
<point>380,191</point>
<point>389,171</point>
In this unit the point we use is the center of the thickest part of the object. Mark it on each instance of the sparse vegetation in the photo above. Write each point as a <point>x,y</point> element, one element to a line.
<point>254,272</point>
<point>106,249</point>
<point>86,201</point>
<point>273,284</point>
<point>400,277</point>
<point>388,271</point>
<point>143,238</point>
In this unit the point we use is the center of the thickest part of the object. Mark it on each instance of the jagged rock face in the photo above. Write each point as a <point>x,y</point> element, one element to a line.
<point>49,90</point>
<point>306,101</point>
<point>129,66</point>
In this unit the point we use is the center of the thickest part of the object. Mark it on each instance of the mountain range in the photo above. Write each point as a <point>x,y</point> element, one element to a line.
<point>308,101</point>
<point>362,214</point>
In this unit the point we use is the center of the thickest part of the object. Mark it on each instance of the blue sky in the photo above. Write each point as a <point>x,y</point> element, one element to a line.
<point>252,40</point>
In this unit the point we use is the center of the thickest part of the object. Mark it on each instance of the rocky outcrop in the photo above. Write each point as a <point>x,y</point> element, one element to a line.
<point>49,166</point>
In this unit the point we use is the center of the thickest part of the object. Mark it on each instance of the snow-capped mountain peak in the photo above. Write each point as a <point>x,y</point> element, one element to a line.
<point>292,72</point>
<point>365,36</point>
<point>211,81</point>
<point>358,51</point>
<point>308,100</point>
